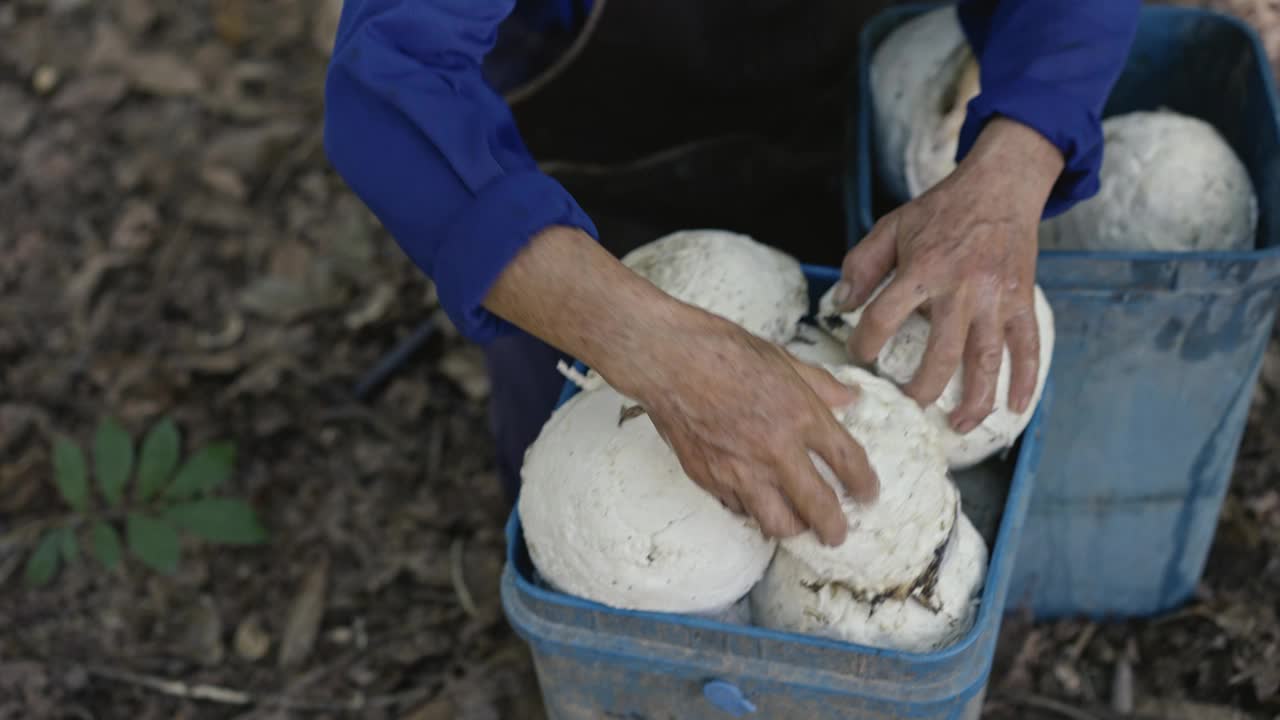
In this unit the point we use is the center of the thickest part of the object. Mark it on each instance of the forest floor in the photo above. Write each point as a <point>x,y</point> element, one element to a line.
<point>176,245</point>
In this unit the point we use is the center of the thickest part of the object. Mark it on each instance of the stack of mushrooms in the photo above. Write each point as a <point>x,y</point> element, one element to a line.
<point>610,516</point>
<point>1169,182</point>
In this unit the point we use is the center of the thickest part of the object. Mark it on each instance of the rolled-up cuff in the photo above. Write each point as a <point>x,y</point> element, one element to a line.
<point>487,235</point>
<point>1072,128</point>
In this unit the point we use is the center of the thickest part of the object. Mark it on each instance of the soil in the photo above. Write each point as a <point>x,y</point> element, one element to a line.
<point>175,244</point>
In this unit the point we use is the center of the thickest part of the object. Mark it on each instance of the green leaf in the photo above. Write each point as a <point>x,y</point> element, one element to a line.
<point>159,458</point>
<point>70,546</point>
<point>208,468</point>
<point>106,544</point>
<point>112,460</point>
<point>43,563</point>
<point>153,541</point>
<point>70,475</point>
<point>220,520</point>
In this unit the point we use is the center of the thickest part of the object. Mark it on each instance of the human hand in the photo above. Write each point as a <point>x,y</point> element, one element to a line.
<point>741,413</point>
<point>964,253</point>
<point>742,416</point>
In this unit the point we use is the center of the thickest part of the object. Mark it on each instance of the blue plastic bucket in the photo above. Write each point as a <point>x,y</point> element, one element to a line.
<point>1156,354</point>
<point>597,662</point>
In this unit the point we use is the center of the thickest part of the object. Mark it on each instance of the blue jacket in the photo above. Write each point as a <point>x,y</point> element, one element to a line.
<point>415,126</point>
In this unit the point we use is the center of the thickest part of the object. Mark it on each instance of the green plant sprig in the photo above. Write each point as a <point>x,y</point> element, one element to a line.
<point>164,500</point>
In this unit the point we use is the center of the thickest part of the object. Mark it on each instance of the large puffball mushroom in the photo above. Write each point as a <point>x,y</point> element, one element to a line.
<point>906,93</point>
<point>1170,183</point>
<point>728,274</point>
<point>609,515</point>
<point>893,542</point>
<point>902,355</point>
<point>793,597</point>
<point>815,346</point>
<point>935,138</point>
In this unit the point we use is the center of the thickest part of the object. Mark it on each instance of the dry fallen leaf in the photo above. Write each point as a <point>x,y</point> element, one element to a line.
<point>305,614</point>
<point>465,366</point>
<point>165,74</point>
<point>324,24</point>
<point>251,150</point>
<point>224,180</point>
<point>92,94</point>
<point>136,227</point>
<point>15,112</point>
<point>251,641</point>
<point>137,15</point>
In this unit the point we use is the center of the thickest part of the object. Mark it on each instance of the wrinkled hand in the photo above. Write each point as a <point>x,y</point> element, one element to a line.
<point>964,253</point>
<point>742,415</point>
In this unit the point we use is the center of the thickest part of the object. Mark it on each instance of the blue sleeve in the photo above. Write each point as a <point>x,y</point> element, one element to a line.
<point>417,133</point>
<point>1050,65</point>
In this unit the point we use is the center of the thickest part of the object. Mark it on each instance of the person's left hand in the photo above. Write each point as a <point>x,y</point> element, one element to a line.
<point>965,253</point>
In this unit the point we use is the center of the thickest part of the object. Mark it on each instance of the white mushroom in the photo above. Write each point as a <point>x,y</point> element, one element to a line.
<point>906,92</point>
<point>1170,183</point>
<point>609,515</point>
<point>817,347</point>
<point>793,597</point>
<point>935,138</point>
<point>728,274</point>
<point>902,355</point>
<point>892,543</point>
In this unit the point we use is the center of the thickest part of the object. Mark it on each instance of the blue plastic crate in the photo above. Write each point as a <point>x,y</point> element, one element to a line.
<point>597,662</point>
<point>1156,354</point>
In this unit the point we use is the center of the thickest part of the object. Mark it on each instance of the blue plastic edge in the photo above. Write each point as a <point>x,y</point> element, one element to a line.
<point>865,159</point>
<point>992,606</point>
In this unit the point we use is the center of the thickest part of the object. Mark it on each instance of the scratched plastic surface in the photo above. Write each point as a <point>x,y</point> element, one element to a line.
<point>1156,355</point>
<point>596,662</point>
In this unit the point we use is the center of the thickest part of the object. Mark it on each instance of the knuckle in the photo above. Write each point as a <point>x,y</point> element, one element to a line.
<point>988,358</point>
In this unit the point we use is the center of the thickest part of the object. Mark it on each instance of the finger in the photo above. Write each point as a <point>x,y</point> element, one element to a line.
<point>944,350</point>
<point>830,391</point>
<point>849,462</point>
<point>882,318</point>
<point>764,502</point>
<point>814,501</point>
<point>866,265</point>
<point>1022,332</point>
<point>984,353</point>
<point>731,502</point>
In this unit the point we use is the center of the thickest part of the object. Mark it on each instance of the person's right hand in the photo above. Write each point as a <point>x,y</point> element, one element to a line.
<point>742,415</point>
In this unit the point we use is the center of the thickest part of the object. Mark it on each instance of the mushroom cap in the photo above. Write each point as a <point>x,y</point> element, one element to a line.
<point>901,357</point>
<point>905,92</point>
<point>935,137</point>
<point>609,515</point>
<point>728,274</point>
<point>1170,183</point>
<point>793,597</point>
<point>893,542</point>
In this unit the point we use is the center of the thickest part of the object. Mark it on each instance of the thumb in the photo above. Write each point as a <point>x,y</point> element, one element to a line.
<point>830,391</point>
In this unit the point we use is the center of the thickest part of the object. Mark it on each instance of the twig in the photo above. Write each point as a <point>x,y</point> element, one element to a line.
<point>228,696</point>
<point>390,363</point>
<point>1077,648</point>
<point>459,580</point>
<point>352,411</point>
<point>1043,703</point>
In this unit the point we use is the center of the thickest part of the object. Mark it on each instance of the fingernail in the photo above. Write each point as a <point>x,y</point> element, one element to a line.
<point>842,292</point>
